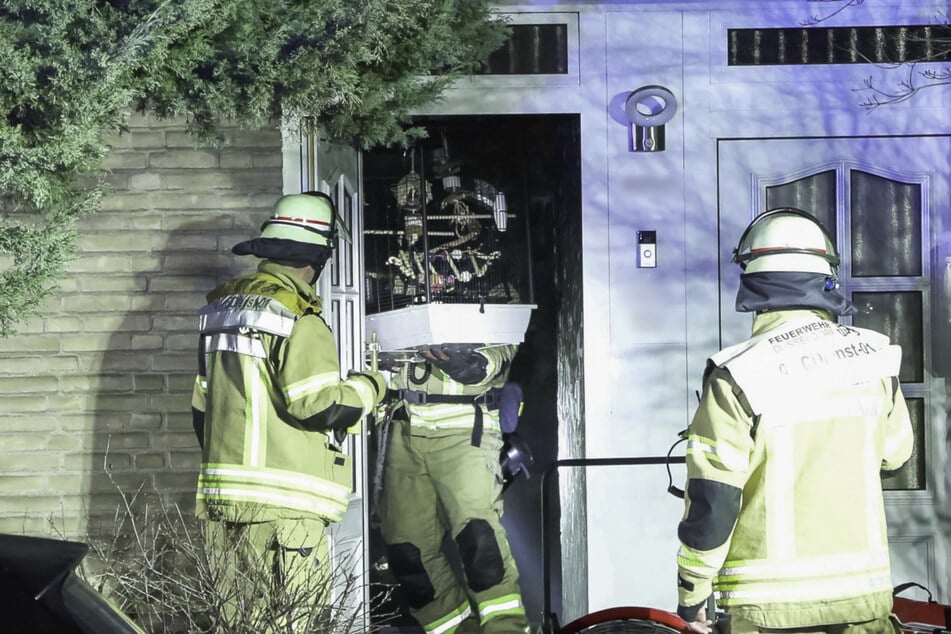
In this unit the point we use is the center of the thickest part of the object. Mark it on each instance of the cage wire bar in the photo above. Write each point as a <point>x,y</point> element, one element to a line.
<point>447,261</point>
<point>469,248</point>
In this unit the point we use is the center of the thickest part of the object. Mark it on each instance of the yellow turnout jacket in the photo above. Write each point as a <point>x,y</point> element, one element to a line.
<point>784,509</point>
<point>268,391</point>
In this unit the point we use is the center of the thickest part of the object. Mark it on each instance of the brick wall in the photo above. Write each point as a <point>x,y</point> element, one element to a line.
<point>96,392</point>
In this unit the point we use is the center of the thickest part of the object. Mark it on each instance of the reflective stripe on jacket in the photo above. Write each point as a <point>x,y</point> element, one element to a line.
<point>784,507</point>
<point>269,367</point>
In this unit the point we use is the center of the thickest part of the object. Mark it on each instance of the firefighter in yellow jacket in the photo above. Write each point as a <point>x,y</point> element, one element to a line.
<point>784,515</point>
<point>268,400</point>
<point>443,477</point>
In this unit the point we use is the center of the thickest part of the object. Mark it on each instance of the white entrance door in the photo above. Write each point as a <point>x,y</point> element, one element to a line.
<point>885,200</point>
<point>336,170</point>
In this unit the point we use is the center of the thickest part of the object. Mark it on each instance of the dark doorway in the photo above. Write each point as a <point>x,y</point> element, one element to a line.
<point>535,160</point>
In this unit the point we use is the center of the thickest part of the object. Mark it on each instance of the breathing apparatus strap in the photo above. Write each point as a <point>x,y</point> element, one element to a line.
<point>476,439</point>
<point>490,399</point>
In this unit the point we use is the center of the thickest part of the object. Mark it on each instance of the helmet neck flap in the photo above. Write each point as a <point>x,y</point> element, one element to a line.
<point>772,290</point>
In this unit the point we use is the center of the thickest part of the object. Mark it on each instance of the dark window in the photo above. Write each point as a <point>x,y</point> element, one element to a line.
<point>899,315</point>
<point>912,475</point>
<point>532,49</point>
<point>838,45</point>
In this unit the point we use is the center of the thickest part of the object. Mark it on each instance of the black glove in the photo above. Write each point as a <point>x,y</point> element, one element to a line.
<point>460,362</point>
<point>689,613</point>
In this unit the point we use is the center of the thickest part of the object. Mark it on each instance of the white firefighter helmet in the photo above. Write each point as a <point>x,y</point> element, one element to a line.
<point>307,218</point>
<point>786,239</point>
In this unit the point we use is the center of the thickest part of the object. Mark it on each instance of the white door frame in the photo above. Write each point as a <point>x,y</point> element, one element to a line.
<point>313,164</point>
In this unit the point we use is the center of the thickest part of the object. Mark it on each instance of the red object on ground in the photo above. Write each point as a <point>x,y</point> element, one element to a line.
<point>650,620</point>
<point>915,612</point>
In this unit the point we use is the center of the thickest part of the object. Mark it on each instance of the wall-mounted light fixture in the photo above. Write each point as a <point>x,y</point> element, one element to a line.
<point>648,108</point>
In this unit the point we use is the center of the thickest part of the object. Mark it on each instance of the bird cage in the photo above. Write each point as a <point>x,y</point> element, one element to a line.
<point>447,255</point>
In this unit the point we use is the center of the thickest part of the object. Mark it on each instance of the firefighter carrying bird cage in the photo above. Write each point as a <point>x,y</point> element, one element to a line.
<point>447,257</point>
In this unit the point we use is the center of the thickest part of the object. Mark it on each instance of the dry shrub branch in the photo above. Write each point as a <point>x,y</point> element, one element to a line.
<point>159,569</point>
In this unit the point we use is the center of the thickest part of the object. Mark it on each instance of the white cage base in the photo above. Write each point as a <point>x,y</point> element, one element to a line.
<point>426,324</point>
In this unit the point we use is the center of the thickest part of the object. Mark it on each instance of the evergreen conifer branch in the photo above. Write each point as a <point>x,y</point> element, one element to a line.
<point>72,75</point>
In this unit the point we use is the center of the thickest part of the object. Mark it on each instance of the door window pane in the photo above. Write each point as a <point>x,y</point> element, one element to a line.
<point>912,474</point>
<point>886,226</point>
<point>815,194</point>
<point>335,260</point>
<point>898,315</point>
<point>348,247</point>
<point>335,266</point>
